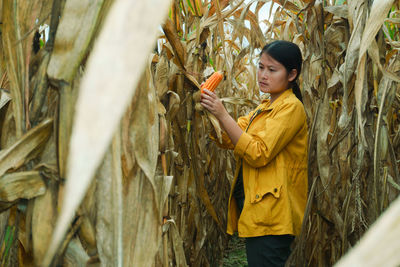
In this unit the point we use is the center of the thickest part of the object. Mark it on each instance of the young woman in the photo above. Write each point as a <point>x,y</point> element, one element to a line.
<point>269,192</point>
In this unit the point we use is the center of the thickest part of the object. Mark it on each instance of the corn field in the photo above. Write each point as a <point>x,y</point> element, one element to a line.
<point>105,155</point>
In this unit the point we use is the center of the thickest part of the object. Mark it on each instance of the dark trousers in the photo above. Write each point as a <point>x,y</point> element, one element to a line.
<point>268,251</point>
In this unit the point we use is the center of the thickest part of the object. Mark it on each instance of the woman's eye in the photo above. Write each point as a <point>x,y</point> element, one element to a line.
<point>272,70</point>
<point>261,67</point>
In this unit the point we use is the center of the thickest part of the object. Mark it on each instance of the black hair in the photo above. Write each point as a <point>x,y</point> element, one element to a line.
<point>289,55</point>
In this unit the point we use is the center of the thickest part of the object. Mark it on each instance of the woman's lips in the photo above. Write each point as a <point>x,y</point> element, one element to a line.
<point>263,84</point>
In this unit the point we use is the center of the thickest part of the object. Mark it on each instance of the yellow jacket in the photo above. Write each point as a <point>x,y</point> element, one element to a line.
<point>273,152</point>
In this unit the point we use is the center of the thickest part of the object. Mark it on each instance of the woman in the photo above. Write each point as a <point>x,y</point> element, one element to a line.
<point>269,192</point>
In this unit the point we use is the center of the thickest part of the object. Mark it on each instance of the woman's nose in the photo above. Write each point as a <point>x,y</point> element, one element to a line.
<point>264,74</point>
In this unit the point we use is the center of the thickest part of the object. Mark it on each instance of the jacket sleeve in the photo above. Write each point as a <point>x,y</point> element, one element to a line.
<point>258,149</point>
<point>226,141</point>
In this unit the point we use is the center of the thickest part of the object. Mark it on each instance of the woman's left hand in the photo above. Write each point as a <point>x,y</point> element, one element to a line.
<point>212,103</point>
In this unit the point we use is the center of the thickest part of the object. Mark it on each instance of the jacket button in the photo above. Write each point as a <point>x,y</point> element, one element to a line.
<point>257,196</point>
<point>275,190</point>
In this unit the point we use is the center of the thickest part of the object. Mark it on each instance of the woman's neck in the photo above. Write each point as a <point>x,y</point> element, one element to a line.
<point>273,97</point>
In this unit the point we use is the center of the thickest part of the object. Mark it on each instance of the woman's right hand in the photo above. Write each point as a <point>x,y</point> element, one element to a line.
<point>211,102</point>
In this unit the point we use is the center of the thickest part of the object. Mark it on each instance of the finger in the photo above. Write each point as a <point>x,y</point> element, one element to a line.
<point>207,97</point>
<point>206,91</point>
<point>211,93</point>
<point>206,102</point>
<point>205,105</point>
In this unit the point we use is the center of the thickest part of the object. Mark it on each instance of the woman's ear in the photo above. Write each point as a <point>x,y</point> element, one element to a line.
<point>292,75</point>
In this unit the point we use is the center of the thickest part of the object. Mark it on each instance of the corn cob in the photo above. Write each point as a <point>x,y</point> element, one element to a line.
<point>212,82</point>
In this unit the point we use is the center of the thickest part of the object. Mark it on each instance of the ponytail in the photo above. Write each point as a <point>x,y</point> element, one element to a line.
<point>296,91</point>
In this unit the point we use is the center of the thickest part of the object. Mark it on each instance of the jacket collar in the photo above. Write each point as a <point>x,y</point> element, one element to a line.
<point>277,101</point>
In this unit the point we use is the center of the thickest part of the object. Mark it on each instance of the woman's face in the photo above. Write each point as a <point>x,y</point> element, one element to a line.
<point>273,77</point>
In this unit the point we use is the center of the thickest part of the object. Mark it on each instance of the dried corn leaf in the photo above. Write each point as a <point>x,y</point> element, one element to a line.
<point>4,98</point>
<point>75,255</point>
<point>239,101</point>
<point>385,231</point>
<point>174,40</point>
<point>356,8</point>
<point>106,234</point>
<point>144,126</point>
<point>68,96</point>
<point>44,216</point>
<point>373,24</point>
<point>17,28</point>
<point>74,35</point>
<point>117,200</point>
<point>340,11</point>
<point>142,231</point>
<point>177,244</point>
<point>87,233</point>
<point>130,29</point>
<point>8,131</point>
<point>162,76</point>
<point>40,86</point>
<point>173,105</point>
<point>361,96</point>
<point>71,45</point>
<point>3,224</point>
<point>28,17</point>
<point>379,11</point>
<point>217,5</point>
<point>373,52</point>
<point>16,155</point>
<point>20,185</point>
<point>288,4</point>
<point>215,123</point>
